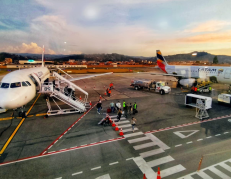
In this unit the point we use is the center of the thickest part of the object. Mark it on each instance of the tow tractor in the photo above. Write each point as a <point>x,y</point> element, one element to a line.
<point>158,87</point>
<point>202,87</point>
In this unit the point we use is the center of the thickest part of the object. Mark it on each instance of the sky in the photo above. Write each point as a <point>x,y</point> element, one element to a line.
<point>129,27</point>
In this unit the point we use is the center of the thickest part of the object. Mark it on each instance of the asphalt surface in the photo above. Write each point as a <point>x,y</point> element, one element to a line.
<point>89,150</point>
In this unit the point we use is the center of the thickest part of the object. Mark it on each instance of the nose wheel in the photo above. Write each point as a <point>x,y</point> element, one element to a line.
<point>22,112</point>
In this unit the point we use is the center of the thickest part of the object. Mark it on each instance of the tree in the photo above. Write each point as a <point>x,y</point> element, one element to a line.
<point>215,60</point>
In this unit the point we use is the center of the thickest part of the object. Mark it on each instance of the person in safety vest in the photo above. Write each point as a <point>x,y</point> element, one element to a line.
<point>109,93</point>
<point>124,104</point>
<point>111,85</point>
<point>135,108</point>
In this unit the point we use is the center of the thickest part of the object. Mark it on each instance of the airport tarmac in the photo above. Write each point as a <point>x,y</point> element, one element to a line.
<point>167,135</point>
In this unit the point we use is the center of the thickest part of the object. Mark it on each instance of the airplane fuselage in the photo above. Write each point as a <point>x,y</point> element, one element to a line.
<point>221,74</point>
<point>19,87</point>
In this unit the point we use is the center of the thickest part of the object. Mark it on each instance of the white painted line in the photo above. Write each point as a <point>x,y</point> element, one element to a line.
<point>60,137</point>
<point>189,142</point>
<point>143,166</point>
<point>199,139</point>
<point>96,168</point>
<point>83,144</point>
<point>203,175</point>
<point>133,134</point>
<point>151,153</point>
<point>122,122</point>
<point>172,170</point>
<point>129,158</point>
<point>59,178</point>
<point>208,137</point>
<point>113,163</point>
<point>65,132</point>
<point>178,145</point>
<point>56,141</point>
<point>107,176</point>
<point>157,141</point>
<point>225,166</point>
<point>127,125</point>
<point>219,173</point>
<point>226,132</point>
<point>217,134</point>
<point>129,130</point>
<point>160,161</point>
<point>76,173</point>
<point>50,146</point>
<point>138,139</point>
<point>142,146</point>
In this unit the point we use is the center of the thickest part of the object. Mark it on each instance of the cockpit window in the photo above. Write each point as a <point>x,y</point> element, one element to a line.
<point>5,85</point>
<point>24,84</point>
<point>15,85</point>
<point>28,83</point>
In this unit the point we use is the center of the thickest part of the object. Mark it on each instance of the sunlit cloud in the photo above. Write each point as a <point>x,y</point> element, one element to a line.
<point>28,48</point>
<point>209,26</point>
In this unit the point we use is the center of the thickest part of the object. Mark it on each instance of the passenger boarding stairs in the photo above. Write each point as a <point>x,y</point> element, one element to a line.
<point>58,90</point>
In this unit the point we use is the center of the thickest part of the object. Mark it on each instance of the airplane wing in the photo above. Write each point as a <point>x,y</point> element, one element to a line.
<point>164,74</point>
<point>90,76</point>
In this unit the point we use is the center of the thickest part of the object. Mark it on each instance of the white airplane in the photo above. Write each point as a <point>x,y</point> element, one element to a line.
<point>187,75</point>
<point>18,88</point>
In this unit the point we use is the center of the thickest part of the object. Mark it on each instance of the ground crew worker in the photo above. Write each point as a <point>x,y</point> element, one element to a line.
<point>109,93</point>
<point>111,85</point>
<point>99,107</point>
<point>112,105</point>
<point>134,108</point>
<point>126,111</point>
<point>118,106</point>
<point>119,115</point>
<point>124,104</point>
<point>133,123</point>
<point>130,109</point>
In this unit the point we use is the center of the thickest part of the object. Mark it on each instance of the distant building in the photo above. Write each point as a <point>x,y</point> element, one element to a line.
<point>22,62</point>
<point>8,60</point>
<point>71,60</point>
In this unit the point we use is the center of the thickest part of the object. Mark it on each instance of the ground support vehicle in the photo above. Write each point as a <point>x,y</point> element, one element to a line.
<point>202,87</point>
<point>224,98</point>
<point>158,87</point>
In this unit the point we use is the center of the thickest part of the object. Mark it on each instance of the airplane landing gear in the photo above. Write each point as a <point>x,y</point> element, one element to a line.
<point>22,112</point>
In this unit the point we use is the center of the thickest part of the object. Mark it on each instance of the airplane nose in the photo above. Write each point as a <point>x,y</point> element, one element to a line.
<point>8,100</point>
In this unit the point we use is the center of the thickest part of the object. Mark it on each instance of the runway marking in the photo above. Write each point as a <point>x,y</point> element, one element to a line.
<point>178,145</point>
<point>60,151</point>
<point>184,125</point>
<point>96,168</point>
<point>77,173</point>
<point>113,163</point>
<point>208,137</point>
<point>151,153</point>
<point>217,134</point>
<point>44,151</point>
<point>19,125</point>
<point>189,142</point>
<point>226,132</point>
<point>172,170</point>
<point>129,158</point>
<point>59,178</point>
<point>160,161</point>
<point>199,139</point>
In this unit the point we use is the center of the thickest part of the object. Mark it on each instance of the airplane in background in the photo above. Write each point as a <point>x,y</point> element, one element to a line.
<point>188,75</point>
<point>18,88</point>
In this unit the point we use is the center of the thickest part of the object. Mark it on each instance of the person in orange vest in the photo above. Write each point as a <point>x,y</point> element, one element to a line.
<point>109,93</point>
<point>111,85</point>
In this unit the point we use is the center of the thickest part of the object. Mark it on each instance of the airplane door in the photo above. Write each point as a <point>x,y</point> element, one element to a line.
<point>227,73</point>
<point>36,81</point>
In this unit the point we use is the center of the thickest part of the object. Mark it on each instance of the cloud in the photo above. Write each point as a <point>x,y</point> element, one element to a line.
<point>27,48</point>
<point>209,26</point>
<point>210,37</point>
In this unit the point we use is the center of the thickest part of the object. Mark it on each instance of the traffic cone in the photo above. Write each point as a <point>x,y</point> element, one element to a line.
<point>121,132</point>
<point>90,103</point>
<point>104,86</point>
<point>113,124</point>
<point>116,128</point>
<point>144,177</point>
<point>105,93</point>
<point>80,98</point>
<point>158,174</point>
<point>100,97</point>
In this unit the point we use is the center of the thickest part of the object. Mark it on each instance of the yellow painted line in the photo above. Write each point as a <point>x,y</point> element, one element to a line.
<point>7,118</point>
<point>42,114</point>
<point>19,125</point>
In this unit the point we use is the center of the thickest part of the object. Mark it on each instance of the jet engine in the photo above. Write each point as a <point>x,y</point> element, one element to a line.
<point>187,82</point>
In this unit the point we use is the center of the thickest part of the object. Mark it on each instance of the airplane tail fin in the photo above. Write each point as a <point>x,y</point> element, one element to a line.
<point>161,62</point>
<point>43,57</point>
